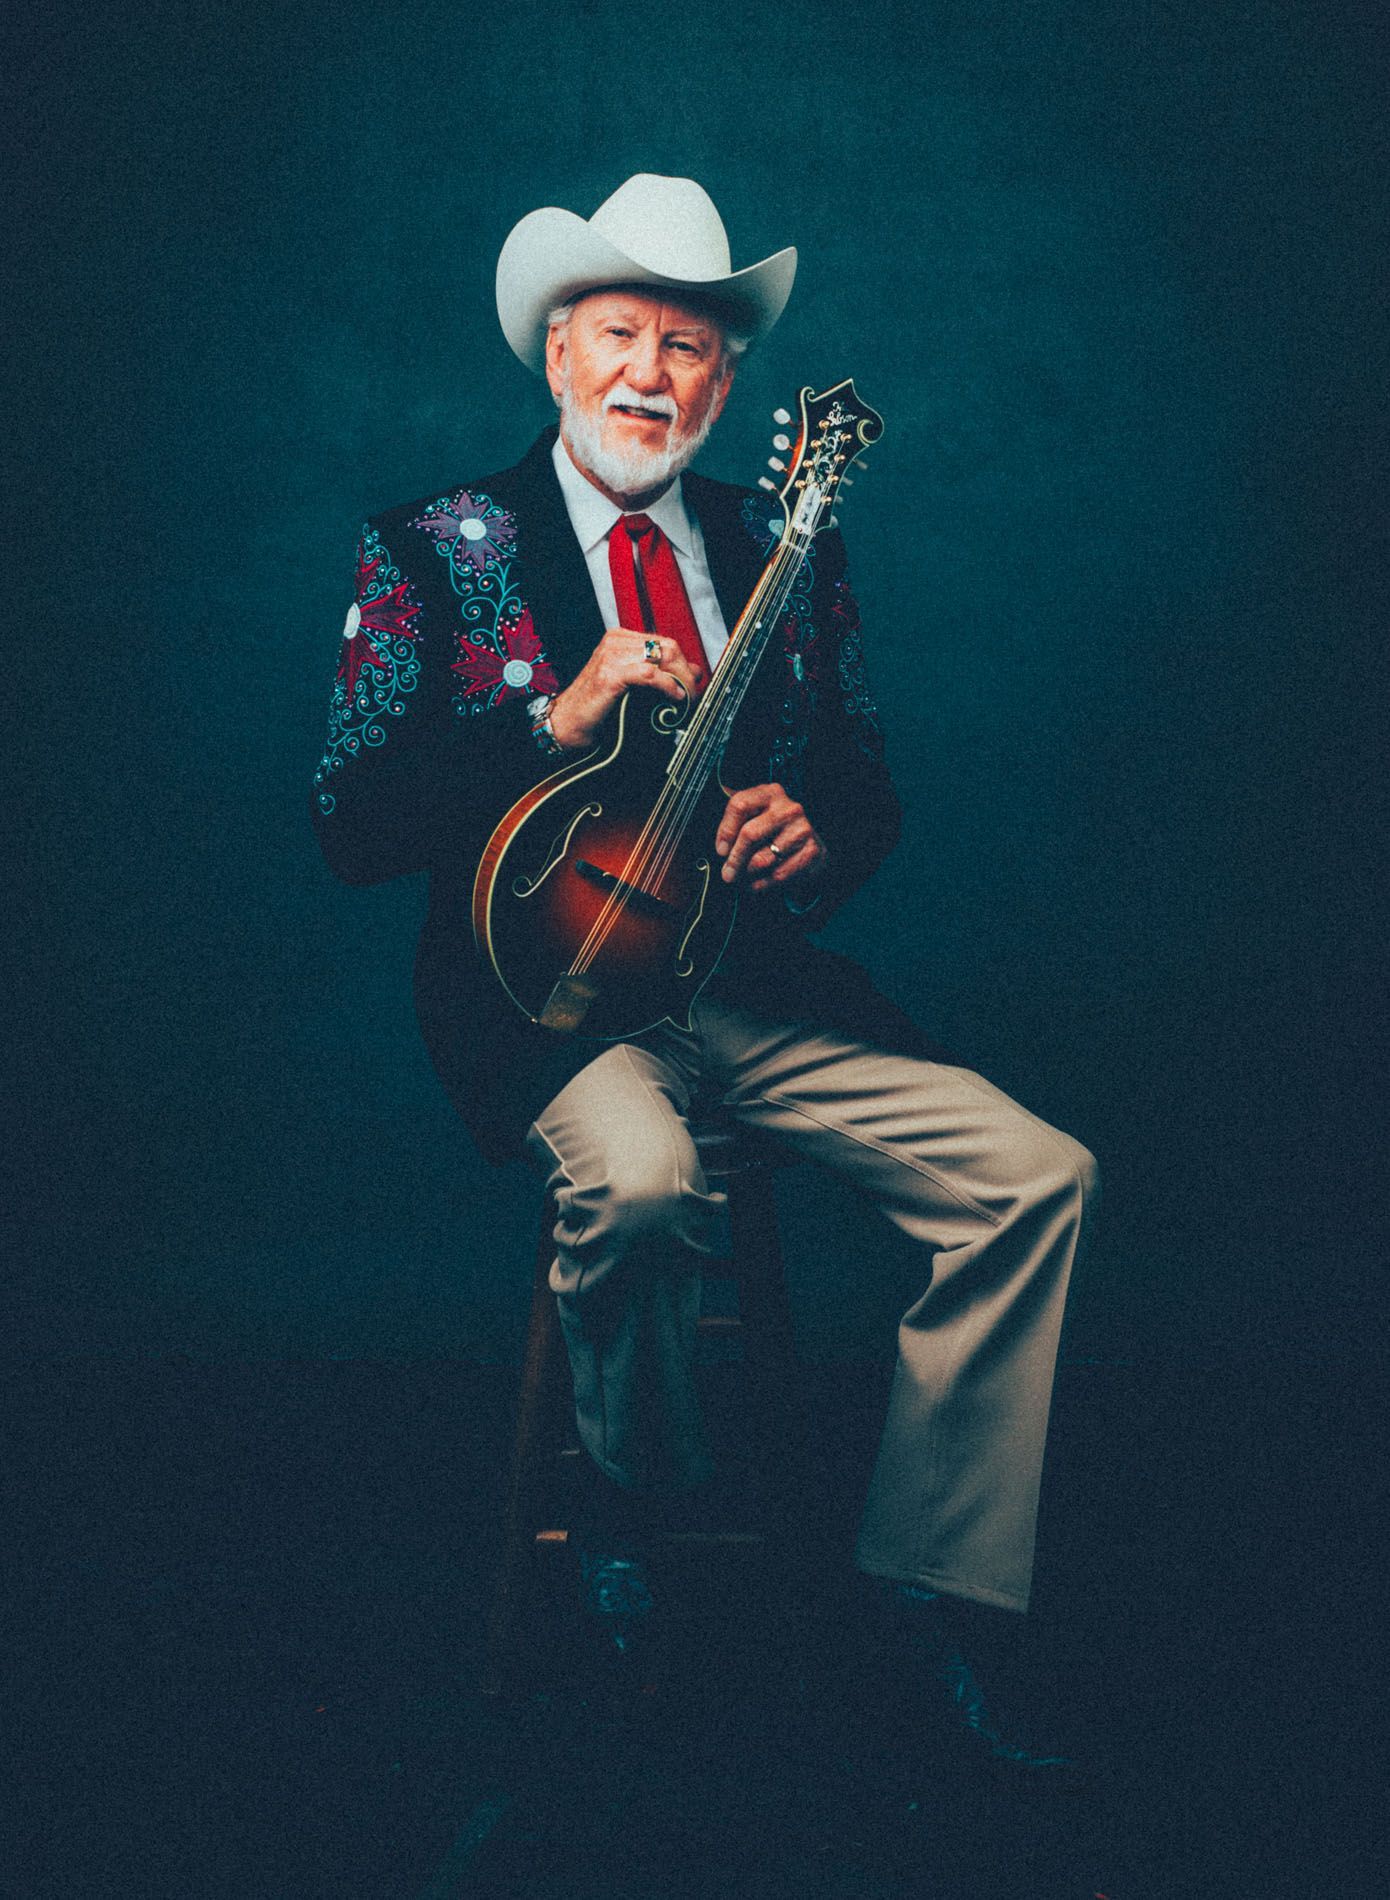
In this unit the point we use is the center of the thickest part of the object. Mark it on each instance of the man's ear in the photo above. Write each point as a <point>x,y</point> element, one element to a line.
<point>556,341</point>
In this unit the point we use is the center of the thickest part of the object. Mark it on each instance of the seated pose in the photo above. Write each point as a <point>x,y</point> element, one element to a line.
<point>497,626</point>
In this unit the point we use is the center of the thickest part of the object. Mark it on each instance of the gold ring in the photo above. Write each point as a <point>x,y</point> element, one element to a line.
<point>651,650</point>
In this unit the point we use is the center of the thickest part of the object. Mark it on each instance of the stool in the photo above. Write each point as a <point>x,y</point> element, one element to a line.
<point>743,1166</point>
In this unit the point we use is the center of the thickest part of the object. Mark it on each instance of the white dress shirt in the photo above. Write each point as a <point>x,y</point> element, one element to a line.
<point>592,515</point>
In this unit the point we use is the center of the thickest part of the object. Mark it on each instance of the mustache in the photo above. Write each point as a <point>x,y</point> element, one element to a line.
<point>622,397</point>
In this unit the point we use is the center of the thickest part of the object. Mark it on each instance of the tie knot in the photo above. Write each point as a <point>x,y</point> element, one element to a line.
<point>638,525</point>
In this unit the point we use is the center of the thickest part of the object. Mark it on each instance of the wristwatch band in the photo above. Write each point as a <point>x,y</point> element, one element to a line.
<point>538,711</point>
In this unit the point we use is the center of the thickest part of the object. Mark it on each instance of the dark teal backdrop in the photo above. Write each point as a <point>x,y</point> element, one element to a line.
<point>1110,272</point>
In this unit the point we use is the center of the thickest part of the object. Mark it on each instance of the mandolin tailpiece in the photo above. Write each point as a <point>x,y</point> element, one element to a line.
<point>568,1004</point>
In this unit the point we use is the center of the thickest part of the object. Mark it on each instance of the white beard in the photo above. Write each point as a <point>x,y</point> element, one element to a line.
<point>636,470</point>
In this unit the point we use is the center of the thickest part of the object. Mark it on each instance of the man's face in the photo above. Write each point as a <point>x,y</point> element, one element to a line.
<point>640,382</point>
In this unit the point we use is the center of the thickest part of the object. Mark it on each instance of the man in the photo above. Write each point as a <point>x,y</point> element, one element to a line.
<point>495,629</point>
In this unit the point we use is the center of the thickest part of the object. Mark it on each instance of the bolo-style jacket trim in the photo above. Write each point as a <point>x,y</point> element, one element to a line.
<point>468,604</point>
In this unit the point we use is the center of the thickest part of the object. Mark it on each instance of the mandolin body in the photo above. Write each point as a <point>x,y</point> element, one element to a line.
<point>602,915</point>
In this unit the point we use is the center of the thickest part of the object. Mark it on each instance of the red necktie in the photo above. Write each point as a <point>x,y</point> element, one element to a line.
<point>653,596</point>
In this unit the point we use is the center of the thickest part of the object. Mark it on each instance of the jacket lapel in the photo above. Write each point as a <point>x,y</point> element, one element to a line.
<point>734,561</point>
<point>554,580</point>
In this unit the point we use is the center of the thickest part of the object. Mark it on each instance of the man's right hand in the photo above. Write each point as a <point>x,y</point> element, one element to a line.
<point>618,662</point>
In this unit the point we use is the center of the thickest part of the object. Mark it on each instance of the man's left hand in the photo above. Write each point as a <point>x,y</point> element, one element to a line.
<point>766,839</point>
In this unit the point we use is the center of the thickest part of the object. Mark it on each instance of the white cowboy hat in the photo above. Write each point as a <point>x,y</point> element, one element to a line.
<point>652,230</point>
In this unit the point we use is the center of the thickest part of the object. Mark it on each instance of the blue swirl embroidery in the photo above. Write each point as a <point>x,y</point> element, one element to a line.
<point>499,656</point>
<point>801,653</point>
<point>858,701</point>
<point>378,664</point>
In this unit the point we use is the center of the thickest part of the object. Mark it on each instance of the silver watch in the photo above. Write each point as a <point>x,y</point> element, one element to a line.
<point>538,712</point>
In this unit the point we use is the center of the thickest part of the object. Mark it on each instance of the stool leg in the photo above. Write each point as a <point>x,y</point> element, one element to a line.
<point>538,1379</point>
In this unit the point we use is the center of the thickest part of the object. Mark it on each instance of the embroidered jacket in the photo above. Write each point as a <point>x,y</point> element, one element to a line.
<point>468,604</point>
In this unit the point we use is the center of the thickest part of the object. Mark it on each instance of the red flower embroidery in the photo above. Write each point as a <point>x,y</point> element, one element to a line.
<point>388,615</point>
<point>521,668</point>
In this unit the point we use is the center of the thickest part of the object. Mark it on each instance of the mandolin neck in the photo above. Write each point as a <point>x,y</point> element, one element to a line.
<point>698,755</point>
<point>835,427</point>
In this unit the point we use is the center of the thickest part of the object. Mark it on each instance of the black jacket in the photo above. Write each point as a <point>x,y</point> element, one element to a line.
<point>467,605</point>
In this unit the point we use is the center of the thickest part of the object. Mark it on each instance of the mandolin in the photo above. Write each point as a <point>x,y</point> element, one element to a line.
<point>598,899</point>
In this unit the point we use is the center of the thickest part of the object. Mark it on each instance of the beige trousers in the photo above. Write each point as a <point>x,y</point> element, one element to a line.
<point>995,1197</point>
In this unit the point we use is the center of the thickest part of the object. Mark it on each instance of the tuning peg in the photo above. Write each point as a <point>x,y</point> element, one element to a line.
<point>781,415</point>
<point>834,521</point>
<point>773,462</point>
<point>846,481</point>
<point>763,482</point>
<point>781,442</point>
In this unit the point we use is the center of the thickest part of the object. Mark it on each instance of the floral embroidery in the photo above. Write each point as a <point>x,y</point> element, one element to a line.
<point>469,531</point>
<point>499,654</point>
<point>378,664</point>
<point>518,668</point>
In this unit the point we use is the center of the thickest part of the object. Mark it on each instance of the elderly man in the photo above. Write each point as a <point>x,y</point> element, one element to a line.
<point>495,629</point>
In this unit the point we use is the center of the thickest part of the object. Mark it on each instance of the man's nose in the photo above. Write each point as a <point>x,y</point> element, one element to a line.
<point>646,370</point>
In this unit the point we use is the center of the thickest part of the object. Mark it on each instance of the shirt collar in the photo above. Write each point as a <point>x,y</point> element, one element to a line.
<point>592,514</point>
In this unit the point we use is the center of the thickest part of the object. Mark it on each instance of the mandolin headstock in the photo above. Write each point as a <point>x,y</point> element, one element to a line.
<point>835,427</point>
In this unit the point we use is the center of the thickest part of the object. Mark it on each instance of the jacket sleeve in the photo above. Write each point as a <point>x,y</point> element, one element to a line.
<point>847,791</point>
<point>419,765</point>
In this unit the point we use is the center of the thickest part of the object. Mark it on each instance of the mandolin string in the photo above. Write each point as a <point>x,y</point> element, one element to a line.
<point>695,786</point>
<point>702,751</point>
<point>639,859</point>
<point>660,836</point>
<point>640,856</point>
<point>691,789</point>
<point>656,843</point>
<point>709,735</point>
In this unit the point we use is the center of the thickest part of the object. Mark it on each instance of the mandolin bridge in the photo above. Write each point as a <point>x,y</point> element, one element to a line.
<point>643,902</point>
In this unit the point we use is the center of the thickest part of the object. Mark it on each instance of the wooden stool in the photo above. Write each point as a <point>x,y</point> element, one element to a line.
<point>545,1408</point>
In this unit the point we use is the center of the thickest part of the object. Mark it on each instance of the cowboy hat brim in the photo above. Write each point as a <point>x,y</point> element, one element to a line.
<point>553,255</point>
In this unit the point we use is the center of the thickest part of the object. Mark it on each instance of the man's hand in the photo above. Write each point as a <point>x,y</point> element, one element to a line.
<point>618,662</point>
<point>754,823</point>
